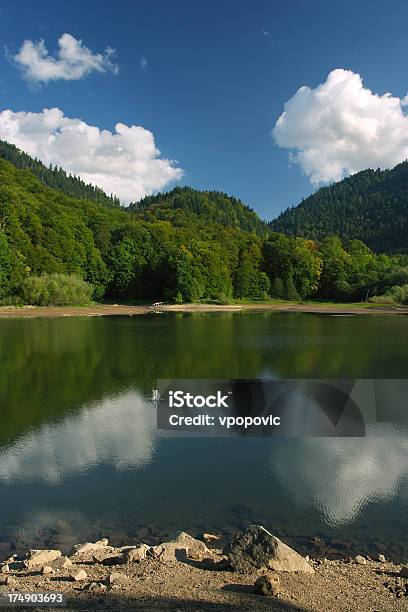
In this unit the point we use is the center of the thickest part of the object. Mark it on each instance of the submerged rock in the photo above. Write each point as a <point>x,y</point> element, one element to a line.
<point>268,584</point>
<point>256,548</point>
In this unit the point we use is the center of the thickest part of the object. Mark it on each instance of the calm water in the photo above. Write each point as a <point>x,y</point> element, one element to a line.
<point>80,456</point>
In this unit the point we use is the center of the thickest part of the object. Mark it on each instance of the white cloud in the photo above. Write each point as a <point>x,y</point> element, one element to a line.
<point>73,60</point>
<point>341,127</point>
<point>125,162</point>
<point>143,63</point>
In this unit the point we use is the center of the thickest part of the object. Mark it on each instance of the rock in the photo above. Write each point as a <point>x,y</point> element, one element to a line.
<point>92,547</point>
<point>123,549</point>
<point>381,558</point>
<point>182,547</point>
<point>78,575</point>
<point>47,569</point>
<point>60,563</point>
<point>96,586</point>
<point>196,549</point>
<point>41,557</point>
<point>5,568</point>
<point>256,548</point>
<point>268,584</point>
<point>211,537</point>
<point>10,581</point>
<point>360,560</point>
<point>102,556</point>
<point>136,554</point>
<point>117,578</point>
<point>56,564</point>
<point>403,571</point>
<point>169,551</point>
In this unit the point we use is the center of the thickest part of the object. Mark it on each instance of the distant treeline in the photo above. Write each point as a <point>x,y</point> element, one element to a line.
<point>183,246</point>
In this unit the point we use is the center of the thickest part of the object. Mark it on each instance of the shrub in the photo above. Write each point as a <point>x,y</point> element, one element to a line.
<point>56,290</point>
<point>11,300</point>
<point>382,299</point>
<point>398,294</point>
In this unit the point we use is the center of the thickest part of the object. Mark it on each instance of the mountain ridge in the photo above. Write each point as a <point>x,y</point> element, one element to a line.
<point>183,203</point>
<point>56,177</point>
<point>371,205</point>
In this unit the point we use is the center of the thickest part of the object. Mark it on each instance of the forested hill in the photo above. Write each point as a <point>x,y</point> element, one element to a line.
<point>56,177</point>
<point>183,206</point>
<point>184,246</point>
<point>371,205</point>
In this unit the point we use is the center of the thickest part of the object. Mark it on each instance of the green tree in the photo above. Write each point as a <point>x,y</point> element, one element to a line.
<point>13,269</point>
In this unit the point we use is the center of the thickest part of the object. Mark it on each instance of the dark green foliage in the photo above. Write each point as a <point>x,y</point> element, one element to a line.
<point>250,281</point>
<point>56,177</point>
<point>12,268</point>
<point>49,231</point>
<point>277,288</point>
<point>293,266</point>
<point>371,206</point>
<point>56,290</point>
<point>183,204</point>
<point>188,281</point>
<point>334,277</point>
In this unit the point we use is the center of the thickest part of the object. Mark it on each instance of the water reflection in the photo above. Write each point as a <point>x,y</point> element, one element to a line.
<point>79,450</point>
<point>340,476</point>
<point>336,477</point>
<point>118,431</point>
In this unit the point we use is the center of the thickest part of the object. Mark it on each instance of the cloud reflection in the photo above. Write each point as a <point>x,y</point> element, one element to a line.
<point>340,476</point>
<point>118,430</point>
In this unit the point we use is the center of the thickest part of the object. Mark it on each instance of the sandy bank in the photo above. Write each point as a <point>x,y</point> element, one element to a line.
<point>99,310</point>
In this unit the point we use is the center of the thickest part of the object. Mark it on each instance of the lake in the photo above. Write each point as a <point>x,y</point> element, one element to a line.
<point>81,457</point>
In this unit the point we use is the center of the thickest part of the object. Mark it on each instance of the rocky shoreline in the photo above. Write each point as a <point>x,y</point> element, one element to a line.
<point>253,570</point>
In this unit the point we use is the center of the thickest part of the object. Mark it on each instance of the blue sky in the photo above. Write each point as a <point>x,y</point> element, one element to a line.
<point>210,79</point>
